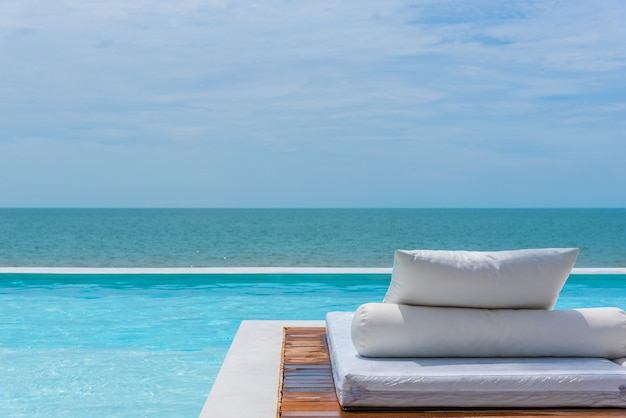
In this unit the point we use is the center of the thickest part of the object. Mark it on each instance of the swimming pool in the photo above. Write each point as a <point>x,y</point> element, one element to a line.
<point>134,345</point>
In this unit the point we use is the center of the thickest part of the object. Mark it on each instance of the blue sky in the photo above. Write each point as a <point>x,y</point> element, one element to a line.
<point>351,103</point>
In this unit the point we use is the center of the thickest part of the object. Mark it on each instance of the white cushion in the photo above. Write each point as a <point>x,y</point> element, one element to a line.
<point>503,382</point>
<point>390,330</point>
<point>621,361</point>
<point>501,279</point>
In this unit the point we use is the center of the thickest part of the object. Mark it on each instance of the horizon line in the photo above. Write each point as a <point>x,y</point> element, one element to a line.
<point>306,207</point>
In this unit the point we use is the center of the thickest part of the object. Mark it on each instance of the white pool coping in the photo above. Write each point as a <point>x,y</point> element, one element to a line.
<point>195,270</point>
<point>244,270</point>
<point>247,384</point>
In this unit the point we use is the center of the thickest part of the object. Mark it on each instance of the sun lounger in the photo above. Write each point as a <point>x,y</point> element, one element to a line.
<point>465,382</point>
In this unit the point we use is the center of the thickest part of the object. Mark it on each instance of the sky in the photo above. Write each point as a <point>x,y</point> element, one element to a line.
<point>279,103</point>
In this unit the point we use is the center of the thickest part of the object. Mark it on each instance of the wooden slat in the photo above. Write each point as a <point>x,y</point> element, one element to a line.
<point>307,389</point>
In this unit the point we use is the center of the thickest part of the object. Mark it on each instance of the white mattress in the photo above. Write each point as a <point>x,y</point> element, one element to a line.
<point>363,383</point>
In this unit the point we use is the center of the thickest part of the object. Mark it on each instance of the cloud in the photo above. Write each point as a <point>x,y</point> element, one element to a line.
<point>310,87</point>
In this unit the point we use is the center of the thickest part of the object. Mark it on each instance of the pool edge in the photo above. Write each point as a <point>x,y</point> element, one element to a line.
<point>244,270</point>
<point>247,383</point>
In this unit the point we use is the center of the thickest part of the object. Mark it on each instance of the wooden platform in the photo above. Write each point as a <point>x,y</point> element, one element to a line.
<point>307,388</point>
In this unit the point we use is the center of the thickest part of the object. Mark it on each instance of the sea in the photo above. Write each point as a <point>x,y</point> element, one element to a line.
<point>295,237</point>
<point>93,322</point>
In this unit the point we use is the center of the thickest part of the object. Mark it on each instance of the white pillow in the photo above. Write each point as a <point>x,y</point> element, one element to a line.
<point>621,361</point>
<point>390,330</point>
<point>473,279</point>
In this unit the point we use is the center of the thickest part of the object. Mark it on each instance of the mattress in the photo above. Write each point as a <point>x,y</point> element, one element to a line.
<point>524,382</point>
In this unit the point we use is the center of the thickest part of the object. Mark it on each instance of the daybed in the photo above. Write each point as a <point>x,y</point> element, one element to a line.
<point>515,353</point>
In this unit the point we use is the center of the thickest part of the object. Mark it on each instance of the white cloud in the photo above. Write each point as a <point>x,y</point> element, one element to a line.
<point>325,82</point>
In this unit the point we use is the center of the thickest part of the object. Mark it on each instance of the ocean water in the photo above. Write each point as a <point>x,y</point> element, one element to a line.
<point>295,237</point>
<point>144,345</point>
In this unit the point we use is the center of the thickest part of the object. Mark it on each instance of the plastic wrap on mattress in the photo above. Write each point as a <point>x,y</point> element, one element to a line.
<point>468,382</point>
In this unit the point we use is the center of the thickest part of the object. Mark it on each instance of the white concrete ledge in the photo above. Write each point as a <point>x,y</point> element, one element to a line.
<point>244,270</point>
<point>599,270</point>
<point>247,384</point>
<point>195,270</point>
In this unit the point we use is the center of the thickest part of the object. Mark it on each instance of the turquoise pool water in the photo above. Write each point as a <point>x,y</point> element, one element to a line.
<point>152,345</point>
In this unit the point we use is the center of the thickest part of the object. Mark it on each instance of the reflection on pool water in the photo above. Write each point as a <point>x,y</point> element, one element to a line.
<point>151,345</point>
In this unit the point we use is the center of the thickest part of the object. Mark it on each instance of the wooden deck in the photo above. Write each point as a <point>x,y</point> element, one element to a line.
<point>307,388</point>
